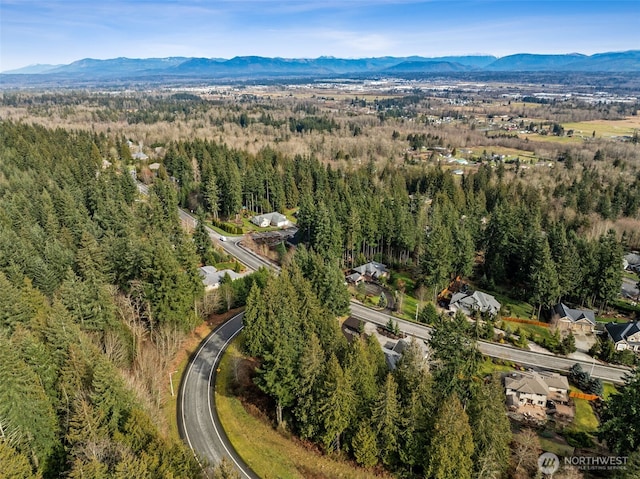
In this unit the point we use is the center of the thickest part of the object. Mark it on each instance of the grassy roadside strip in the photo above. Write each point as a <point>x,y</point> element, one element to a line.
<point>269,453</point>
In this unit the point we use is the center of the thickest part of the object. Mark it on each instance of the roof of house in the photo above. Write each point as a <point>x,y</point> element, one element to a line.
<point>404,344</point>
<point>212,277</point>
<point>354,277</point>
<point>526,383</point>
<point>621,331</point>
<point>632,258</point>
<point>477,300</point>
<point>555,380</point>
<point>274,218</point>
<point>372,268</point>
<point>535,382</point>
<point>575,315</point>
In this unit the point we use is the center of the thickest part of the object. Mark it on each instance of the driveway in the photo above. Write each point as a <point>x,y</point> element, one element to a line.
<point>629,288</point>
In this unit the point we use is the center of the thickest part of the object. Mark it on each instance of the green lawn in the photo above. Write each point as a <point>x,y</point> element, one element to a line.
<point>562,450</point>
<point>512,307</point>
<point>585,419</point>
<point>489,367</point>
<point>608,390</point>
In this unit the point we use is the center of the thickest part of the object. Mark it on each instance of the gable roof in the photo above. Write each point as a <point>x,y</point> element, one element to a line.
<point>372,268</point>
<point>212,277</point>
<point>274,218</point>
<point>536,382</point>
<point>354,277</point>
<point>527,384</point>
<point>575,315</point>
<point>632,258</point>
<point>621,331</point>
<point>483,302</point>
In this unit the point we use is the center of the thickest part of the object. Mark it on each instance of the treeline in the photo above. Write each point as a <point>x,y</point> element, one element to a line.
<point>96,290</point>
<point>448,422</point>
<point>424,218</point>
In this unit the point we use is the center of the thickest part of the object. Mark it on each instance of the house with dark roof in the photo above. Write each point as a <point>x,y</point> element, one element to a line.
<point>372,270</point>
<point>469,302</point>
<point>568,319</point>
<point>624,335</point>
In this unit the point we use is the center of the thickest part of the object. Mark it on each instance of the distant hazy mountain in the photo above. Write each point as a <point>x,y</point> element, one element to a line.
<point>32,69</point>
<point>427,66</point>
<point>117,66</point>
<point>600,62</point>
<point>263,67</point>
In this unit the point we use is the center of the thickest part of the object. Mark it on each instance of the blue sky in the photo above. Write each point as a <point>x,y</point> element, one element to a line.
<point>62,31</point>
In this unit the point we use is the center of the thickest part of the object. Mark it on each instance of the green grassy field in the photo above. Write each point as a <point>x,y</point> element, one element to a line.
<point>603,128</point>
<point>607,390</point>
<point>489,367</point>
<point>585,419</point>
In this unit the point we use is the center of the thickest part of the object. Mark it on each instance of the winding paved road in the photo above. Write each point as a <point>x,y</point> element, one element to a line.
<point>198,420</point>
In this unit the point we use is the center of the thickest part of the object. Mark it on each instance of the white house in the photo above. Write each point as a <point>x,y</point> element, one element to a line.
<point>271,219</point>
<point>211,277</point>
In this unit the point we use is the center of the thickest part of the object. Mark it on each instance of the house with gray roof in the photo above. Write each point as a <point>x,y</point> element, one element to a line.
<point>469,302</point>
<point>624,335</point>
<point>568,319</point>
<point>271,219</point>
<point>536,388</point>
<point>631,261</point>
<point>372,270</point>
<point>212,278</point>
<point>355,278</point>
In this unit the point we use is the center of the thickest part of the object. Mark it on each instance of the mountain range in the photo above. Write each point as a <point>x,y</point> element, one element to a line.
<point>265,67</point>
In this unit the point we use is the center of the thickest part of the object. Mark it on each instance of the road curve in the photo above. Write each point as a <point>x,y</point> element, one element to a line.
<point>198,420</point>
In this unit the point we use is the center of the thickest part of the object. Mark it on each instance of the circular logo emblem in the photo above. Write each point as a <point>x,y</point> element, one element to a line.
<point>548,463</point>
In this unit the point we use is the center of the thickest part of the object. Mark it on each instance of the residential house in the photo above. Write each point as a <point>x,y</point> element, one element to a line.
<point>355,278</point>
<point>468,303</point>
<point>535,389</point>
<point>211,277</point>
<point>372,270</point>
<point>624,335</point>
<point>631,262</point>
<point>568,319</point>
<point>271,219</point>
<point>393,352</point>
